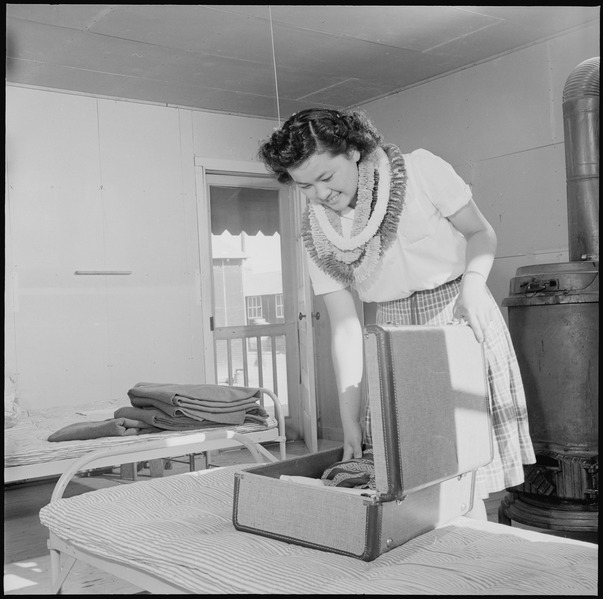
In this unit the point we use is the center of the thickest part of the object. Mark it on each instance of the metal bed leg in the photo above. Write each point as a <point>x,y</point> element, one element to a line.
<point>197,461</point>
<point>58,574</point>
<point>156,467</point>
<point>281,421</point>
<point>129,471</point>
<point>208,457</point>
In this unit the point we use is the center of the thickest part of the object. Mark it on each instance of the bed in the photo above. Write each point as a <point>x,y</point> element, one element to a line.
<point>175,535</point>
<point>29,455</point>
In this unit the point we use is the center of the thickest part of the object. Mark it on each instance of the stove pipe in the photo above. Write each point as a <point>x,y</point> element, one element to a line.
<point>581,130</point>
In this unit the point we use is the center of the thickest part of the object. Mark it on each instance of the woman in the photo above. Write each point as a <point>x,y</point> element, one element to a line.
<point>404,232</point>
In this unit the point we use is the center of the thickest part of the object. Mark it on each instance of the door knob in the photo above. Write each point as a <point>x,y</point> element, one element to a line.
<point>314,315</point>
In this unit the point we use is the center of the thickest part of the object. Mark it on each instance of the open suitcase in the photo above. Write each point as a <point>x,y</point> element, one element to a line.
<point>428,394</point>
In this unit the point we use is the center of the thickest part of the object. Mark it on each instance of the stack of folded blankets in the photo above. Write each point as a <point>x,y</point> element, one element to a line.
<point>187,407</point>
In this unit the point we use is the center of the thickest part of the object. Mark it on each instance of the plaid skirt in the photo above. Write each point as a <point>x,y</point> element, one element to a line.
<point>511,435</point>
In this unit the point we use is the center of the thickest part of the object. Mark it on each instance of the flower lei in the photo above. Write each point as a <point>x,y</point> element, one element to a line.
<point>379,204</point>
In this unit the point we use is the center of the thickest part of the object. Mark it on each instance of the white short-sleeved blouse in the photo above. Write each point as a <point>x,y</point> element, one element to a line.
<point>428,250</point>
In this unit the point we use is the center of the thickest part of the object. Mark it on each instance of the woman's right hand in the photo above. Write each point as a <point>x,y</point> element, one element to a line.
<point>352,441</point>
<point>347,352</point>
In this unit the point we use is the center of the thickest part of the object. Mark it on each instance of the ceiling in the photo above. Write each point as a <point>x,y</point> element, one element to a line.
<point>223,58</point>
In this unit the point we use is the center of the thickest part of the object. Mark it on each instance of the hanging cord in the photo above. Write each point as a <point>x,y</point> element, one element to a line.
<point>278,112</point>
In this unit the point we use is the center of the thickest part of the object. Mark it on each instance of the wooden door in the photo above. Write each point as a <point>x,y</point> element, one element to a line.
<point>300,409</point>
<point>305,327</point>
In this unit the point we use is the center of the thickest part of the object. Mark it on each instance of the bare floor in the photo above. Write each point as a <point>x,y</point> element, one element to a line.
<point>26,559</point>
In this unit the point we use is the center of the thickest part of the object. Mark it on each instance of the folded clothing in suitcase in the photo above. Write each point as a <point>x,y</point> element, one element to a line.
<point>428,394</point>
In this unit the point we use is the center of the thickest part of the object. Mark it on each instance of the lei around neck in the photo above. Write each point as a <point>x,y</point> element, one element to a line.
<point>379,204</point>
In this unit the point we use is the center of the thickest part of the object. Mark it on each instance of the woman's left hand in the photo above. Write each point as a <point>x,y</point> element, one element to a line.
<point>474,304</point>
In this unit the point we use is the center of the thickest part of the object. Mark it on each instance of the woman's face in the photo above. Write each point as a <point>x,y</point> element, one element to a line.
<point>329,179</point>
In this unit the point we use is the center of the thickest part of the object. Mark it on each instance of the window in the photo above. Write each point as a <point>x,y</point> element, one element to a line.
<point>254,307</point>
<point>280,306</point>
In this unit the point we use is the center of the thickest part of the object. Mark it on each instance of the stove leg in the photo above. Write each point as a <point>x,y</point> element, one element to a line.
<point>502,517</point>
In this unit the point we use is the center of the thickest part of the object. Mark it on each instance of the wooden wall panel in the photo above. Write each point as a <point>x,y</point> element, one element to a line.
<point>523,196</point>
<point>145,233</point>
<point>55,228</point>
<point>97,184</point>
<point>225,137</point>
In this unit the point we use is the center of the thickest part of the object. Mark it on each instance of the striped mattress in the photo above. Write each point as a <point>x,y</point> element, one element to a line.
<point>26,442</point>
<point>179,528</point>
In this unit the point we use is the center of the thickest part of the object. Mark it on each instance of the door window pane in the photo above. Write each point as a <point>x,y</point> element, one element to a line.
<point>248,287</point>
<point>248,283</point>
<point>246,255</point>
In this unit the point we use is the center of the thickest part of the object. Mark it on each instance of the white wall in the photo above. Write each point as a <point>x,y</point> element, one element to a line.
<point>97,184</point>
<point>501,126</point>
<point>224,137</point>
<point>102,184</point>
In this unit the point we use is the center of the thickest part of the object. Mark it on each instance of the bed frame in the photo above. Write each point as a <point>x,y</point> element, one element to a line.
<point>465,557</point>
<point>63,556</point>
<point>142,449</point>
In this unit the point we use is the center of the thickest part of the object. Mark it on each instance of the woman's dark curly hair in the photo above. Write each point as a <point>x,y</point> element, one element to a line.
<point>317,130</point>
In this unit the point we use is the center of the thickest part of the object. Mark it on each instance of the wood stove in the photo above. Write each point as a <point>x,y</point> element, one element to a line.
<point>553,314</point>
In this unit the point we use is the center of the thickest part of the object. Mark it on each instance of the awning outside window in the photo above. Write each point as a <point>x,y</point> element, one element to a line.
<point>243,210</point>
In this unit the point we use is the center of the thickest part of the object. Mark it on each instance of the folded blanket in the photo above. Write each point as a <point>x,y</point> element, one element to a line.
<point>159,419</point>
<point>115,427</point>
<point>357,473</point>
<point>209,406</point>
<point>173,394</point>
<point>220,404</point>
<point>236,414</point>
<point>255,413</point>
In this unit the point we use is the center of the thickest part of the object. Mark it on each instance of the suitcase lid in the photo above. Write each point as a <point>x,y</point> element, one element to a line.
<point>429,399</point>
